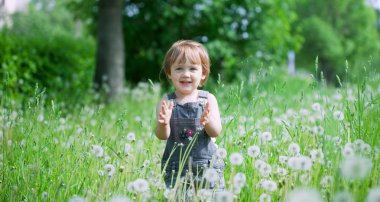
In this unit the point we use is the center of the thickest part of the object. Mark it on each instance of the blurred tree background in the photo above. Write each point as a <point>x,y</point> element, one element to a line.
<point>54,43</point>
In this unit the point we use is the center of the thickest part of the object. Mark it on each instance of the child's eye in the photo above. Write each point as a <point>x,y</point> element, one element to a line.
<point>193,69</point>
<point>178,68</point>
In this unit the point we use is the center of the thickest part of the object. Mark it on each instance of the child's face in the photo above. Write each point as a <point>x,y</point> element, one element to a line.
<point>186,77</point>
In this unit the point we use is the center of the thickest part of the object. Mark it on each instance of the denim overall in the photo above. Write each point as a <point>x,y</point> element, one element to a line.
<point>187,133</point>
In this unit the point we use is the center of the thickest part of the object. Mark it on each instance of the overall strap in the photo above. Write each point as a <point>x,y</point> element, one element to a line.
<point>202,94</point>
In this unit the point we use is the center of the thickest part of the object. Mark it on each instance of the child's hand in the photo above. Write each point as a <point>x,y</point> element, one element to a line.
<point>165,113</point>
<point>206,115</point>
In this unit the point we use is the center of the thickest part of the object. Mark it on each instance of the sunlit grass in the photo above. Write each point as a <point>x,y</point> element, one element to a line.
<point>306,132</point>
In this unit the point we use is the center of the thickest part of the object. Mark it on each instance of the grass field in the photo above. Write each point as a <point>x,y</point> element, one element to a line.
<point>286,139</point>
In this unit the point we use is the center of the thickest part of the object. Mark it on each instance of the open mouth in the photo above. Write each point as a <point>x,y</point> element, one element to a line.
<point>185,82</point>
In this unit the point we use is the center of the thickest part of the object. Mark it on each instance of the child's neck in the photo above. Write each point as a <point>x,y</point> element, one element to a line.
<point>185,98</point>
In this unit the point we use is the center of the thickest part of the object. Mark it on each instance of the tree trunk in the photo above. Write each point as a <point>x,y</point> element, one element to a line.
<point>109,73</point>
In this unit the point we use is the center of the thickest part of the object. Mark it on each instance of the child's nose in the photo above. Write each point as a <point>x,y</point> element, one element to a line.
<point>186,73</point>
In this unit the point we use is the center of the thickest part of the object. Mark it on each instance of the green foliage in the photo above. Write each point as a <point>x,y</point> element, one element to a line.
<point>231,30</point>
<point>41,49</point>
<point>337,31</point>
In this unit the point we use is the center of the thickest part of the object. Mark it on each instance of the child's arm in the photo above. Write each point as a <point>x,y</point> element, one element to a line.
<point>163,114</point>
<point>211,117</point>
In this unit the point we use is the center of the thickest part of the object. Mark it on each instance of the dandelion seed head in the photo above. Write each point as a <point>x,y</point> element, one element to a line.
<point>265,136</point>
<point>127,148</point>
<point>326,181</point>
<point>97,150</point>
<point>269,185</point>
<point>303,194</point>
<point>316,106</point>
<point>109,169</point>
<point>294,148</point>
<point>343,196</point>
<point>265,198</point>
<point>211,175</point>
<point>374,195</point>
<point>356,167</point>
<point>221,153</point>
<point>141,185</point>
<point>338,115</point>
<point>236,159</point>
<point>224,196</point>
<point>253,151</point>
<point>131,136</point>
<point>239,180</point>
<point>76,198</point>
<point>283,159</point>
<point>119,199</point>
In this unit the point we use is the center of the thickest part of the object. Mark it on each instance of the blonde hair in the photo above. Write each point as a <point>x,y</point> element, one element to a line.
<point>187,50</point>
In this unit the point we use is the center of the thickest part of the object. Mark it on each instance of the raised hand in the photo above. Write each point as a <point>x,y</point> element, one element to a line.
<point>205,118</point>
<point>166,113</point>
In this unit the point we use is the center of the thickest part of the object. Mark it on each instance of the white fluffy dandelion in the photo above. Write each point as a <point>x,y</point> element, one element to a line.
<point>131,136</point>
<point>294,148</point>
<point>343,196</point>
<point>127,148</point>
<point>338,115</point>
<point>140,185</point>
<point>374,195</point>
<point>356,167</point>
<point>236,159</point>
<point>316,155</point>
<point>97,150</point>
<point>303,194</point>
<point>316,106</point>
<point>265,136</point>
<point>253,151</point>
<point>239,180</point>
<point>221,153</point>
<point>300,163</point>
<point>327,181</point>
<point>211,175</point>
<point>224,196</point>
<point>265,198</point>
<point>269,185</point>
<point>77,199</point>
<point>109,169</point>
<point>119,199</point>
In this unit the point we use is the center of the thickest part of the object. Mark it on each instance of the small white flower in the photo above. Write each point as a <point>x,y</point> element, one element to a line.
<point>348,151</point>
<point>338,115</point>
<point>204,194</point>
<point>265,170</point>
<point>77,199</point>
<point>327,181</point>
<point>131,136</point>
<point>253,151</point>
<point>269,185</point>
<point>294,148</point>
<point>221,153</point>
<point>127,148</point>
<point>44,196</point>
<point>316,155</point>
<point>109,169</point>
<point>236,159</point>
<point>265,198</point>
<point>283,159</point>
<point>140,185</point>
<point>119,199</point>
<point>239,180</point>
<point>211,175</point>
<point>303,194</point>
<point>97,150</point>
<point>265,136</point>
<point>356,167</point>
<point>343,197</point>
<point>316,107</point>
<point>374,195</point>
<point>224,196</point>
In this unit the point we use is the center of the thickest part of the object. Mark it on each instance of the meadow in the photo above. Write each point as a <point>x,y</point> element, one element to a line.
<point>284,139</point>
